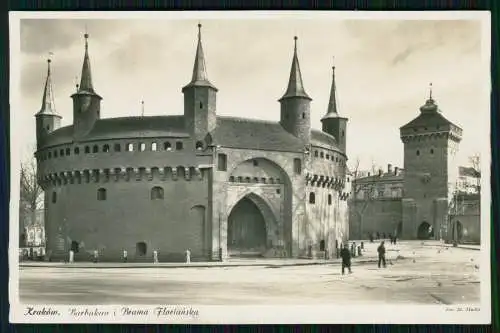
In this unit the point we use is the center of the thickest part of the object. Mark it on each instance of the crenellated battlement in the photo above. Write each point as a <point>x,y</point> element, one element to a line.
<point>86,176</point>
<point>431,136</point>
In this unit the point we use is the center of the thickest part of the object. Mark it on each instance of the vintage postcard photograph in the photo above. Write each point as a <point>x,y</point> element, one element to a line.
<point>250,167</point>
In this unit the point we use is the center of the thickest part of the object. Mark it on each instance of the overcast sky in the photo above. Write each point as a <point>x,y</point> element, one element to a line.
<point>383,70</point>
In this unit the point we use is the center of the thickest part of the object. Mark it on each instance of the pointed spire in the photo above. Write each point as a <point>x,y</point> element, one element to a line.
<point>200,77</point>
<point>295,85</point>
<point>48,105</point>
<point>332,111</point>
<point>86,77</point>
<point>430,105</point>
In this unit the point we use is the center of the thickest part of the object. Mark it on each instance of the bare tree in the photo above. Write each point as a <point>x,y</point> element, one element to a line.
<point>475,162</point>
<point>367,186</point>
<point>31,194</point>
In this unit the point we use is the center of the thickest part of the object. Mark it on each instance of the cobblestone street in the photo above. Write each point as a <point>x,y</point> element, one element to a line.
<point>416,273</point>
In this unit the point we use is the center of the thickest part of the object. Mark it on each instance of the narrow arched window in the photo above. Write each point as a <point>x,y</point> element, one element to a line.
<point>101,194</point>
<point>179,145</point>
<point>312,198</point>
<point>54,197</point>
<point>77,150</point>
<point>61,152</point>
<point>321,154</point>
<point>55,153</point>
<point>118,147</point>
<point>297,166</point>
<point>418,152</point>
<point>87,149</point>
<point>68,152</point>
<point>167,146</point>
<point>105,148</point>
<point>432,151</point>
<point>50,155</point>
<point>199,145</point>
<point>130,147</point>
<point>329,199</point>
<point>315,153</point>
<point>153,146</point>
<point>156,193</point>
<point>95,149</point>
<point>142,147</point>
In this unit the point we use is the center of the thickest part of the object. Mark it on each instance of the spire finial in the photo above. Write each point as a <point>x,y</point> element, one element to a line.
<point>333,63</point>
<point>295,43</point>
<point>142,108</point>
<point>430,90</point>
<point>199,30</point>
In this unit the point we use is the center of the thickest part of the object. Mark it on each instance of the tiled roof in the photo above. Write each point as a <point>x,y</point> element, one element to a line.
<point>386,177</point>
<point>254,134</point>
<point>125,127</point>
<point>322,139</point>
<point>428,119</point>
<point>468,172</point>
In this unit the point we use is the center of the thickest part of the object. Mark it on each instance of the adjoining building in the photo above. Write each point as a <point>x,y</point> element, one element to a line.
<point>430,198</point>
<point>218,186</point>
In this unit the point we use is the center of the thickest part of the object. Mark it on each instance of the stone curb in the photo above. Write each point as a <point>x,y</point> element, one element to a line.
<point>195,265</point>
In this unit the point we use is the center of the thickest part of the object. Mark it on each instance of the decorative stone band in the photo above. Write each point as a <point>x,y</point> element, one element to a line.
<point>406,138</point>
<point>336,183</point>
<point>122,174</point>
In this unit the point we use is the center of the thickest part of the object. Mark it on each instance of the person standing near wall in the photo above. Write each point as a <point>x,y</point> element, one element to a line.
<point>381,254</point>
<point>345,254</point>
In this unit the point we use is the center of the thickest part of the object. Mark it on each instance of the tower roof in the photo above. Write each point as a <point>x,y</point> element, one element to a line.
<point>86,86</point>
<point>332,111</point>
<point>295,85</point>
<point>48,105</point>
<point>200,77</point>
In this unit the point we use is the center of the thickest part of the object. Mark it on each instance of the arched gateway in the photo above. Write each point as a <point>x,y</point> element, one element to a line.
<point>425,231</point>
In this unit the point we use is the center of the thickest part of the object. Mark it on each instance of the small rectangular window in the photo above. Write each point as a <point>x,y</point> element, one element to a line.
<point>117,147</point>
<point>142,146</point>
<point>297,165</point>
<point>178,145</point>
<point>130,147</point>
<point>222,162</point>
<point>153,146</point>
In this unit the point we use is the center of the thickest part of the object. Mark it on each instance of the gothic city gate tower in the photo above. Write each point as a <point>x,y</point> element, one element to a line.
<point>430,145</point>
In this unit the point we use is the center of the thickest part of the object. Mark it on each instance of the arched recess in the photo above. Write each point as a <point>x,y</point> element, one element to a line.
<point>266,173</point>
<point>459,231</point>
<point>252,226</point>
<point>197,216</point>
<point>424,231</point>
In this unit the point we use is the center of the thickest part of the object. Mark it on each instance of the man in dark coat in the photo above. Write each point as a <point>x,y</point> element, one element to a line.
<point>381,254</point>
<point>345,254</point>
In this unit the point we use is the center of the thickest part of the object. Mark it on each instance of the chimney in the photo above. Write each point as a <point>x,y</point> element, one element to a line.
<point>396,169</point>
<point>389,168</point>
<point>368,174</point>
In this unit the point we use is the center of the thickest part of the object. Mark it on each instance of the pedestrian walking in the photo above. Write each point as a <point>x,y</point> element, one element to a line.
<point>395,238</point>
<point>96,256</point>
<point>381,254</point>
<point>71,256</point>
<point>188,256</point>
<point>125,255</point>
<point>345,254</point>
<point>391,239</point>
<point>155,256</point>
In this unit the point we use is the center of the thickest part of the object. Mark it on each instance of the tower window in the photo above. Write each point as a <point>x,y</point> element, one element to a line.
<point>255,163</point>
<point>54,197</point>
<point>201,105</point>
<point>167,146</point>
<point>68,151</point>
<point>101,194</point>
<point>61,152</point>
<point>105,148</point>
<point>178,145</point>
<point>418,152</point>
<point>297,165</point>
<point>50,154</point>
<point>87,149</point>
<point>329,199</point>
<point>278,191</point>
<point>77,150</point>
<point>312,198</point>
<point>156,193</point>
<point>130,147</point>
<point>118,147</point>
<point>336,159</point>
<point>303,115</point>
<point>95,149</point>
<point>153,146</point>
<point>55,153</point>
<point>432,151</point>
<point>222,162</point>
<point>315,153</point>
<point>321,155</point>
<point>199,145</point>
<point>327,156</point>
<point>142,147</point>
<point>48,128</point>
<point>343,133</point>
